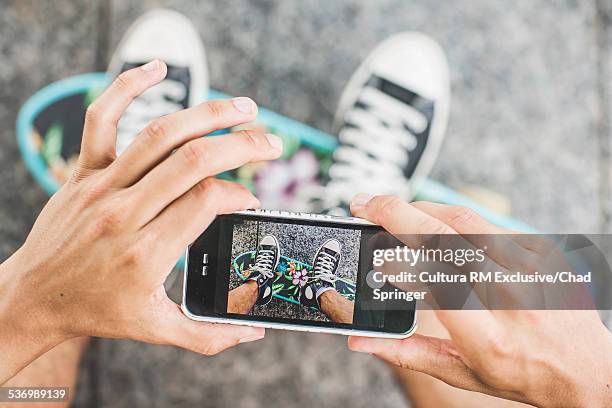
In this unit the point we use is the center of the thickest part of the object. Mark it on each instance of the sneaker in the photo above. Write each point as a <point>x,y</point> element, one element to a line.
<point>169,36</point>
<point>262,272</point>
<point>390,122</point>
<point>325,264</point>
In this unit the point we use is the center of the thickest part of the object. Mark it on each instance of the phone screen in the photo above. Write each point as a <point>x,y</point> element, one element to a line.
<point>296,271</point>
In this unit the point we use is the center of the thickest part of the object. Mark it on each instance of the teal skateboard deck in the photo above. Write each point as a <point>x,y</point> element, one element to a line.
<point>290,274</point>
<point>49,127</point>
<point>50,124</point>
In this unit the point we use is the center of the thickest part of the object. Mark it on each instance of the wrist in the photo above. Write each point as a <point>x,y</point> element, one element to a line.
<point>26,299</point>
<point>28,326</point>
<point>588,385</point>
<point>596,384</point>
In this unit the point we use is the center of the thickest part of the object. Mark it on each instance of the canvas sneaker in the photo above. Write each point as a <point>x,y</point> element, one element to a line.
<point>323,275</point>
<point>262,272</point>
<point>170,37</point>
<point>390,122</point>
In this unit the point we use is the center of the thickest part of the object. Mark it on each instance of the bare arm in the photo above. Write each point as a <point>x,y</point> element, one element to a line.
<point>96,259</point>
<point>543,357</point>
<point>27,326</point>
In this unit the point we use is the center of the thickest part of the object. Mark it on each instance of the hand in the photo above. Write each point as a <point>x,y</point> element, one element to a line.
<point>546,358</point>
<point>97,256</point>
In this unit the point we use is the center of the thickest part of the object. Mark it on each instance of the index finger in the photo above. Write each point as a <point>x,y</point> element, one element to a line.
<point>164,135</point>
<point>398,217</point>
<point>196,161</point>
<point>100,129</point>
<point>414,228</point>
<point>499,242</point>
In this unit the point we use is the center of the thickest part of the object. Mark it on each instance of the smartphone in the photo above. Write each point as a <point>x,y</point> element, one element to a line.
<point>294,271</point>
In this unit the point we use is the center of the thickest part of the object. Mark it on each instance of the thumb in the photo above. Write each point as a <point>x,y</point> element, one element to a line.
<point>172,327</point>
<point>418,352</point>
<point>436,357</point>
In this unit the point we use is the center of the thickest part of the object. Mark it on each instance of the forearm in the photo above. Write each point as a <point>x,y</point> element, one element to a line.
<point>27,329</point>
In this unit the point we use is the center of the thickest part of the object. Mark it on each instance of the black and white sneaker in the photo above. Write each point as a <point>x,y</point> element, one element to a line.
<point>262,272</point>
<point>170,37</point>
<point>390,122</point>
<point>325,264</point>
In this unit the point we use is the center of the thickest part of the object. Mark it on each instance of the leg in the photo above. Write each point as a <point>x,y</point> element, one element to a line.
<point>425,391</point>
<point>56,368</point>
<point>258,289</point>
<point>338,308</point>
<point>319,291</point>
<point>242,299</point>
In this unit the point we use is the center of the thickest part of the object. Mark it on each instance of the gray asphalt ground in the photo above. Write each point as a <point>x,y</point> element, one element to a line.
<point>299,243</point>
<point>530,119</point>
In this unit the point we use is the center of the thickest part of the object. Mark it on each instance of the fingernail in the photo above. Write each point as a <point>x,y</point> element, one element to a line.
<point>275,141</point>
<point>361,200</point>
<point>244,105</point>
<point>150,66</point>
<point>253,337</point>
<point>255,204</point>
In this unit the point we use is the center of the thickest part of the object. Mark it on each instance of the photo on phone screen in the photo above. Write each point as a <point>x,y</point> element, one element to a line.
<point>306,271</point>
<point>318,261</point>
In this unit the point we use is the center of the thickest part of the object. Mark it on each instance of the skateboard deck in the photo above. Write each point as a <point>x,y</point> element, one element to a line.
<point>50,124</point>
<point>286,284</point>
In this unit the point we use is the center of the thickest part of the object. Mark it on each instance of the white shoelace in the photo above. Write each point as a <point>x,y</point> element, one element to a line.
<point>373,152</point>
<point>324,268</point>
<point>153,103</point>
<point>264,263</point>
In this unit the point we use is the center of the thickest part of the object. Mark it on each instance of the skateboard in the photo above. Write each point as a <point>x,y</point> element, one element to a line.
<point>49,127</point>
<point>50,124</point>
<point>289,274</point>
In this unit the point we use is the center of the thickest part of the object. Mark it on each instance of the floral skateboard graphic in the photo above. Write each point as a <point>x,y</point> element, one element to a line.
<point>291,275</point>
<point>50,125</point>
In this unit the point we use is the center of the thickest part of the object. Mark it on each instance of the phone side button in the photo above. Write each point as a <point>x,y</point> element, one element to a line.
<point>204,270</point>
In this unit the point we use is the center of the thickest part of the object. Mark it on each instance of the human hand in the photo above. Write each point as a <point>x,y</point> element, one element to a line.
<point>545,358</point>
<point>96,259</point>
